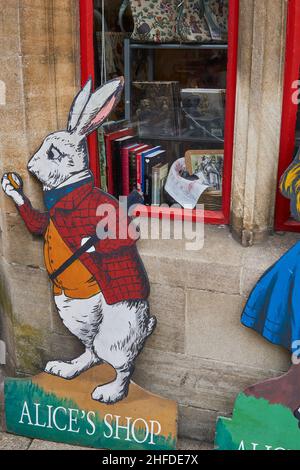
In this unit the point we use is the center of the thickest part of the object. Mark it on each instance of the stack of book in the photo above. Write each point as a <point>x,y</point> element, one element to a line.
<point>131,164</point>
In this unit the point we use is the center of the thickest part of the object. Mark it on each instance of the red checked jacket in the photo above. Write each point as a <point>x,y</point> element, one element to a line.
<point>115,263</point>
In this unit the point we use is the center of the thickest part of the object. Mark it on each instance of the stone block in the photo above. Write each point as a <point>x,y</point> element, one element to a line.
<point>48,445</point>
<point>20,246</point>
<point>62,347</point>
<point>9,30</point>
<point>198,424</point>
<point>11,75</point>
<point>11,442</point>
<point>14,151</point>
<point>30,297</point>
<point>40,117</point>
<point>219,246</point>
<point>214,331</point>
<point>29,343</point>
<point>39,78</point>
<point>65,72</point>
<point>258,114</point>
<point>40,107</point>
<point>249,278</point>
<point>194,381</point>
<point>188,444</point>
<point>216,267</point>
<point>168,305</point>
<point>13,125</point>
<point>63,27</point>
<point>195,274</point>
<point>35,19</point>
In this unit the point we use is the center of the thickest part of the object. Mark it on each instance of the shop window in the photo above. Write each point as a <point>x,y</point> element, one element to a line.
<point>171,136</point>
<point>290,129</point>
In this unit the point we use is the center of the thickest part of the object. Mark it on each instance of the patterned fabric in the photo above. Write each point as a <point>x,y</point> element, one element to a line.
<point>154,20</point>
<point>162,21</point>
<point>207,25</point>
<point>36,221</point>
<point>115,264</point>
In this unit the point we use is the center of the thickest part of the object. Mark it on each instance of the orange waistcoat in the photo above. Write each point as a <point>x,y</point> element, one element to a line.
<point>76,281</point>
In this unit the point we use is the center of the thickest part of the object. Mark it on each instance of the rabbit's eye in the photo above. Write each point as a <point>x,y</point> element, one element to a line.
<point>53,153</point>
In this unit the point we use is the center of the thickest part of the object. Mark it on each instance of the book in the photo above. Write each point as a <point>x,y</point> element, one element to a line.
<point>125,167</point>
<point>117,146</point>
<point>132,166</point>
<point>108,139</point>
<point>102,159</point>
<point>149,162</point>
<point>140,166</point>
<point>156,108</point>
<point>159,178</point>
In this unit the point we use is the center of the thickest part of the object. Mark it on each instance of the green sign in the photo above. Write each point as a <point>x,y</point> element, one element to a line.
<point>258,424</point>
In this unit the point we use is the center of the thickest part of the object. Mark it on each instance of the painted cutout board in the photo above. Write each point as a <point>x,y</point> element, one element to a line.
<point>267,415</point>
<point>264,417</point>
<point>100,290</point>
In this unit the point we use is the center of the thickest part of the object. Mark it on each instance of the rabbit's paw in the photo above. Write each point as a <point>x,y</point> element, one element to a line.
<point>109,393</point>
<point>9,184</point>
<point>62,369</point>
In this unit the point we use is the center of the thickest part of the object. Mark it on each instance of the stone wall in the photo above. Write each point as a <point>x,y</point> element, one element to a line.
<point>39,65</point>
<point>199,355</point>
<point>261,61</point>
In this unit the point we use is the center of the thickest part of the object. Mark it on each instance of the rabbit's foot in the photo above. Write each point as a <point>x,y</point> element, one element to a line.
<point>66,370</point>
<point>118,389</point>
<point>69,370</point>
<point>110,393</point>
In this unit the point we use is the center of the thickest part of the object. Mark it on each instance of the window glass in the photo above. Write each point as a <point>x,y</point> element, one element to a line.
<point>166,137</point>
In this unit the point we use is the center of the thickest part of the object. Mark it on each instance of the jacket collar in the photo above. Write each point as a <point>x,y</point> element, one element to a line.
<point>70,196</point>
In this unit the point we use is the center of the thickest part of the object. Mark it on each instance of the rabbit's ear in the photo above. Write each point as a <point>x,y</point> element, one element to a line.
<point>99,106</point>
<point>78,105</point>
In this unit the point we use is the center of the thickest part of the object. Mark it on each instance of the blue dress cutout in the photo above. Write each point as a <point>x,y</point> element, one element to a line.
<point>273,308</point>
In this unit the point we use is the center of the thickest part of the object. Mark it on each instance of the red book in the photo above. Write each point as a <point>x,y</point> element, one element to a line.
<point>139,167</point>
<point>132,165</point>
<point>109,139</point>
<point>125,167</point>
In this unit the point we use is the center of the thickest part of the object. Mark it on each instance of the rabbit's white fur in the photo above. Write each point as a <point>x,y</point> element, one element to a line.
<point>64,153</point>
<point>72,157</point>
<point>114,334</point>
<point>111,333</point>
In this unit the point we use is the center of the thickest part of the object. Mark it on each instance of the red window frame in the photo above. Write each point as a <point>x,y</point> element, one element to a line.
<point>283,221</point>
<point>87,70</point>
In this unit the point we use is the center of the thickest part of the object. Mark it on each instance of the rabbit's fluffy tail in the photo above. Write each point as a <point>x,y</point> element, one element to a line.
<point>151,325</point>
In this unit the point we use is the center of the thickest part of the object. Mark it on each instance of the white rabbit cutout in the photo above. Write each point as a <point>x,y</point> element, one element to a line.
<point>109,314</point>
<point>64,153</point>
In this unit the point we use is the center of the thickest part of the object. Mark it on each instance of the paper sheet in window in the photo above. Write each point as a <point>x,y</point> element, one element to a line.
<point>183,191</point>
